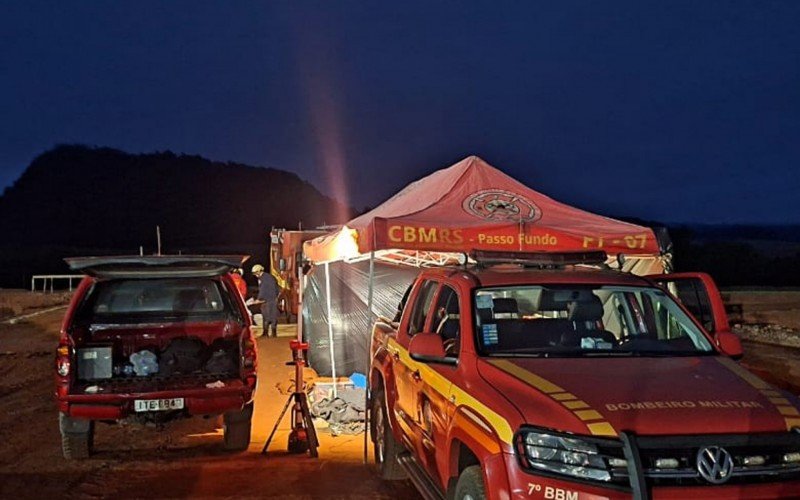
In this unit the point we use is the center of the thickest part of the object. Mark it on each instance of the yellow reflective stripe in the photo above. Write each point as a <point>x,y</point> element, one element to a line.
<point>743,374</point>
<point>782,404</point>
<point>530,378</point>
<point>582,410</point>
<point>588,415</point>
<point>575,405</point>
<point>445,387</point>
<point>788,410</point>
<point>601,429</point>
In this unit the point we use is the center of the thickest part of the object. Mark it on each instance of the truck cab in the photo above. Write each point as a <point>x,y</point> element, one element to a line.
<point>568,380</point>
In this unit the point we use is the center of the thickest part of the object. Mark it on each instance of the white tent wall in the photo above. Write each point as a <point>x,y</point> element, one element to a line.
<point>341,337</point>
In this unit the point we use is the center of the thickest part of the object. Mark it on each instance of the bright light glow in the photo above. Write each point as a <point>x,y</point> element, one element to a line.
<point>792,457</point>
<point>754,460</point>
<point>667,463</point>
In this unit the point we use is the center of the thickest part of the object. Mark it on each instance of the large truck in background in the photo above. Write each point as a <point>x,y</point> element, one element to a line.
<point>285,257</point>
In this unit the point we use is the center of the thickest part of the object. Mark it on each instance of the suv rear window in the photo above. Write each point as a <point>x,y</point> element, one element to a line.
<point>173,297</point>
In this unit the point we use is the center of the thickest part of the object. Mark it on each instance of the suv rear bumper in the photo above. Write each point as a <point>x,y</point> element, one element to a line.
<point>116,406</point>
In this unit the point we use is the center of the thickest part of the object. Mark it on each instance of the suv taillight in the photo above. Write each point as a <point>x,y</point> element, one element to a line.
<point>248,352</point>
<point>62,360</point>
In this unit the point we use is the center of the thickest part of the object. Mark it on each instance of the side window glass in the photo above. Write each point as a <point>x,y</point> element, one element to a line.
<point>421,307</point>
<point>446,322</point>
<point>692,294</point>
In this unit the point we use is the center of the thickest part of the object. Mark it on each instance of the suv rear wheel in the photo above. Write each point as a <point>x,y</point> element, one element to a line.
<point>77,437</point>
<point>385,446</point>
<point>236,428</point>
<point>470,484</point>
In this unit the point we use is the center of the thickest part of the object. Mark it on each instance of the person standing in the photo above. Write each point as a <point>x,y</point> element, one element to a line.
<point>236,275</point>
<point>268,291</point>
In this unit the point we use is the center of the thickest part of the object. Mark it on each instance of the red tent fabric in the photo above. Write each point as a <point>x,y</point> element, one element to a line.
<point>474,206</point>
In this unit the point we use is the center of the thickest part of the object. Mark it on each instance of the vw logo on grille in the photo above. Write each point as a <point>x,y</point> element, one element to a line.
<point>714,464</point>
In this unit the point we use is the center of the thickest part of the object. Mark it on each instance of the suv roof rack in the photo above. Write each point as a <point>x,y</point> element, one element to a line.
<point>538,259</point>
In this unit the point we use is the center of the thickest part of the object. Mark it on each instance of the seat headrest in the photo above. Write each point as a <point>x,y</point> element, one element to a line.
<point>549,302</point>
<point>505,306</point>
<point>586,309</point>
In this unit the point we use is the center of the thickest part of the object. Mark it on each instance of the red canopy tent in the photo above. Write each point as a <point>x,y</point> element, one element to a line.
<point>474,206</point>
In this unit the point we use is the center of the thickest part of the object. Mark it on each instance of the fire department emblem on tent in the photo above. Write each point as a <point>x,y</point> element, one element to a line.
<point>499,205</point>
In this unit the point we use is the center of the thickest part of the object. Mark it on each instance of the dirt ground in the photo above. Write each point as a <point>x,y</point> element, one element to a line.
<point>17,302</point>
<point>185,459</point>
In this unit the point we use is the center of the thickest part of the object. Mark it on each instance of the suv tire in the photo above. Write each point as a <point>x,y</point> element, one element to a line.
<point>385,447</point>
<point>236,428</point>
<point>470,484</point>
<point>77,437</point>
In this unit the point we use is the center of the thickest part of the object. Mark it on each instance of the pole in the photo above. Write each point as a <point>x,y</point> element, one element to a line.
<point>301,284</point>
<point>158,238</point>
<point>369,354</point>
<point>330,327</point>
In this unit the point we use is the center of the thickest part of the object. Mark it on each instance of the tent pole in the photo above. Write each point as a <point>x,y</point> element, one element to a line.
<point>369,354</point>
<point>330,327</point>
<point>301,284</point>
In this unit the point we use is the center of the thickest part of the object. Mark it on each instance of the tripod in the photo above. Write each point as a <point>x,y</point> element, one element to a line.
<point>303,436</point>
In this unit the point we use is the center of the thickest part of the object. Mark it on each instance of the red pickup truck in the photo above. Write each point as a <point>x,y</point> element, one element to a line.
<point>572,382</point>
<point>152,339</point>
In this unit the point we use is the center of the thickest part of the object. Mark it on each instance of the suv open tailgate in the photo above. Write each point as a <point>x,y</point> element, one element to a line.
<point>156,266</point>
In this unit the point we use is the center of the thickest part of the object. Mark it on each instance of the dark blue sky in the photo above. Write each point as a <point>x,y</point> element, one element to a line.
<point>675,111</point>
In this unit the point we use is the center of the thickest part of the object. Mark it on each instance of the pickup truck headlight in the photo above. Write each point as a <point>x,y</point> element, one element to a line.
<point>562,455</point>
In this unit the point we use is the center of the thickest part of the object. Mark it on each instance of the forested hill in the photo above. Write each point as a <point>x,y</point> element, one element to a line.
<point>78,200</point>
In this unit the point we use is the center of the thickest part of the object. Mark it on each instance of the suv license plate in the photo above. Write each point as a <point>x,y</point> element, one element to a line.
<point>158,404</point>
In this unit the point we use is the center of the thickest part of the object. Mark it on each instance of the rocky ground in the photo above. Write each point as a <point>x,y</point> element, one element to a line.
<point>768,334</point>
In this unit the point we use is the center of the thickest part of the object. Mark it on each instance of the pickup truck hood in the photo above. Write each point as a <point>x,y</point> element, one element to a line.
<point>653,396</point>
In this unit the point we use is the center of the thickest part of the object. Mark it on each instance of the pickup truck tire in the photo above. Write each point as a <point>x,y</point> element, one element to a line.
<point>77,437</point>
<point>236,428</point>
<point>385,446</point>
<point>470,484</point>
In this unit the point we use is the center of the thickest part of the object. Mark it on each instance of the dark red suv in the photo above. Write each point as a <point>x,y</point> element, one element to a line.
<point>153,339</point>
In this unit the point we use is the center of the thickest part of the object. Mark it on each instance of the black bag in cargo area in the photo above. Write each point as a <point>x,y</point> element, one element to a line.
<point>182,356</point>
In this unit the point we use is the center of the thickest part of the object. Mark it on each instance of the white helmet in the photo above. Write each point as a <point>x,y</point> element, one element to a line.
<point>258,268</point>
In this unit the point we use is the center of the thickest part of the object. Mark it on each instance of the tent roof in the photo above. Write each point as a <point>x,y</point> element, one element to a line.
<point>474,206</point>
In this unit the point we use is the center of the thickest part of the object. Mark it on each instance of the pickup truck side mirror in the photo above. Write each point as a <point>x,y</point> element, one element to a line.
<point>428,348</point>
<point>730,344</point>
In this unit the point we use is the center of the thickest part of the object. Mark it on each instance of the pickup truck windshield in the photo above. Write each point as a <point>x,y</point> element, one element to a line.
<point>572,321</point>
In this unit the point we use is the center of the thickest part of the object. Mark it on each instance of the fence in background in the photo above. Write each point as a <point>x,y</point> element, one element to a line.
<point>48,281</point>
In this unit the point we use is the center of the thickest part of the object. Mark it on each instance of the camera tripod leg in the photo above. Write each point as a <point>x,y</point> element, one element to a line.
<point>311,431</point>
<point>277,423</point>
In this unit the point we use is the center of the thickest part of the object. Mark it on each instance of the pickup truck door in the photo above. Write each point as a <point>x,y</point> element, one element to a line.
<point>699,295</point>
<point>405,371</point>
<point>435,408</point>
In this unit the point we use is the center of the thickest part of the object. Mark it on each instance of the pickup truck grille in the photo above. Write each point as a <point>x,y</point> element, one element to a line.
<point>756,458</point>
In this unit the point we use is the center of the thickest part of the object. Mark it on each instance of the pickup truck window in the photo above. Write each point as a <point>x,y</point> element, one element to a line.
<point>422,305</point>
<point>447,323</point>
<point>132,299</point>
<point>584,321</point>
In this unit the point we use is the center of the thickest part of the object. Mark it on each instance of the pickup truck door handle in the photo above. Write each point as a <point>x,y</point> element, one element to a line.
<point>416,376</point>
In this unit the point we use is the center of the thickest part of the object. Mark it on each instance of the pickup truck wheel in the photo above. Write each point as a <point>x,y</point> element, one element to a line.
<point>236,428</point>
<point>470,484</point>
<point>385,446</point>
<point>77,437</point>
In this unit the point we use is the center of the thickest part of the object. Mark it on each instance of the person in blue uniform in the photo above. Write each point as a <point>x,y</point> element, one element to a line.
<point>268,291</point>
